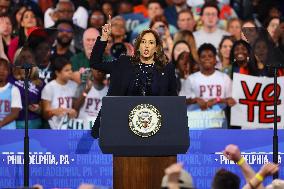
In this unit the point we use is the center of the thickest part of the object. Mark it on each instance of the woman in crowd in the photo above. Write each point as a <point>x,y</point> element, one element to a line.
<point>189,38</point>
<point>242,58</point>
<point>178,48</point>
<point>161,26</point>
<point>147,73</point>
<point>271,24</point>
<point>28,21</point>
<point>234,27</point>
<point>57,96</point>
<point>185,66</point>
<point>34,90</point>
<point>6,32</point>
<point>224,54</point>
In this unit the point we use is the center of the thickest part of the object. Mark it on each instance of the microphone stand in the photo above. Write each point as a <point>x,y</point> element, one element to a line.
<point>27,67</point>
<point>275,129</point>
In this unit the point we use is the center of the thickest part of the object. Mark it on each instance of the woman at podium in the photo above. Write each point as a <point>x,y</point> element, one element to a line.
<point>147,73</point>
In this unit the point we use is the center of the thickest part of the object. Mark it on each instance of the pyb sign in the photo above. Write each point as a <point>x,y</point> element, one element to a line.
<point>255,102</point>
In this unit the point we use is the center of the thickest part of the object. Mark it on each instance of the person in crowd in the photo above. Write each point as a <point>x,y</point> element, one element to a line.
<point>147,73</point>
<point>189,38</point>
<point>226,12</point>
<point>225,47</point>
<point>224,179</point>
<point>65,10</point>
<point>253,179</point>
<point>234,27</point>
<point>16,18</point>
<point>185,20</point>
<point>5,7</point>
<point>171,12</point>
<point>185,66</point>
<point>210,31</point>
<point>178,48</point>
<point>177,178</point>
<point>208,86</point>
<point>124,7</point>
<point>6,32</point>
<point>88,101</point>
<point>64,38</point>
<point>161,26</point>
<point>97,19</point>
<point>279,36</point>
<point>154,8</point>
<point>118,35</point>
<point>42,53</point>
<point>242,59</point>
<point>34,90</point>
<point>57,96</point>
<point>271,24</point>
<point>107,9</point>
<point>28,21</point>
<point>249,31</point>
<point>141,8</point>
<point>82,59</point>
<point>10,98</point>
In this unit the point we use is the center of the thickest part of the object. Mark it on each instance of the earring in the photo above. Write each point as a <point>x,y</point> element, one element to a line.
<point>235,60</point>
<point>248,59</point>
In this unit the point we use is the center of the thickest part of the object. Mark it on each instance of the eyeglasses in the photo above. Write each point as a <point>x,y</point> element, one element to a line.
<point>97,17</point>
<point>65,30</point>
<point>65,11</point>
<point>210,14</point>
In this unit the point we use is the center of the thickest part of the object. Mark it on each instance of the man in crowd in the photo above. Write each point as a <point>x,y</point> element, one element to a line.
<point>63,40</point>
<point>81,61</point>
<point>210,31</point>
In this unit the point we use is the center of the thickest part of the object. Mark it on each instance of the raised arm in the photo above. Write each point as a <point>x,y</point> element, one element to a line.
<point>96,59</point>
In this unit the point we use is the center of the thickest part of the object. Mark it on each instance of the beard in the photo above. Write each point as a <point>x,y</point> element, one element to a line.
<point>64,43</point>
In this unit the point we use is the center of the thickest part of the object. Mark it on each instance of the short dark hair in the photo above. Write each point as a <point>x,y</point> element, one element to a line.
<point>207,46</point>
<point>63,21</point>
<point>210,4</point>
<point>155,1</point>
<point>224,179</point>
<point>6,63</point>
<point>58,64</point>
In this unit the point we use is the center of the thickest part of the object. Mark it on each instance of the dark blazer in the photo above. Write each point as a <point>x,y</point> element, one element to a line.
<point>122,73</point>
<point>122,76</point>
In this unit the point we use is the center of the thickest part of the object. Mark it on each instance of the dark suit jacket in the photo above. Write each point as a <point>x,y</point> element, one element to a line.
<point>122,76</point>
<point>122,73</point>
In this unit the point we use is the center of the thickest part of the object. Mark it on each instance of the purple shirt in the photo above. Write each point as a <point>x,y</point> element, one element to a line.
<point>34,95</point>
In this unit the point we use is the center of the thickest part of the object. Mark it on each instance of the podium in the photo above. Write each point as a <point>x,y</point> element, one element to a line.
<point>144,134</point>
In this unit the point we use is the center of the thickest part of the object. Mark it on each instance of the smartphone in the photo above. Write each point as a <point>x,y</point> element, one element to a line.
<point>161,30</point>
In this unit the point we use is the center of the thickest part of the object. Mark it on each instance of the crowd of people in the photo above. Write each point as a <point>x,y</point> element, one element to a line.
<point>203,39</point>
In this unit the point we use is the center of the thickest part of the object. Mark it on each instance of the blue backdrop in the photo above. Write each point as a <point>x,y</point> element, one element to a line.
<point>68,158</point>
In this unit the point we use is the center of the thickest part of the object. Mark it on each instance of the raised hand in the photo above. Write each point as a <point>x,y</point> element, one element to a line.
<point>106,30</point>
<point>232,152</point>
<point>268,169</point>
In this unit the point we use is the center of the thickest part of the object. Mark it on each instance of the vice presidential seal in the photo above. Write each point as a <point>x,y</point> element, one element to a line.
<point>145,120</point>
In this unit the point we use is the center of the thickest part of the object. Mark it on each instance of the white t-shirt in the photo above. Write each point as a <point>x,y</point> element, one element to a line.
<point>91,107</point>
<point>16,96</point>
<point>59,96</point>
<point>214,38</point>
<point>207,87</point>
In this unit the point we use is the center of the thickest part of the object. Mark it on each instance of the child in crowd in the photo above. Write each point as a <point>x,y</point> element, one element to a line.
<point>89,100</point>
<point>10,98</point>
<point>57,96</point>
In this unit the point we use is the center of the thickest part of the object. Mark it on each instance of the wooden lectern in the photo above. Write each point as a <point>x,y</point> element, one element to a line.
<point>141,155</point>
